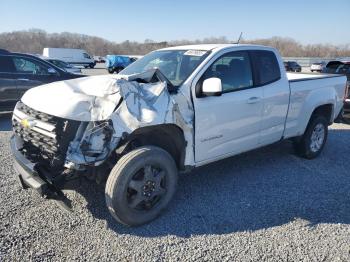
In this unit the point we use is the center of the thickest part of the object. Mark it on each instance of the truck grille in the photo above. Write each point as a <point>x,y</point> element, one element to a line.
<point>45,138</point>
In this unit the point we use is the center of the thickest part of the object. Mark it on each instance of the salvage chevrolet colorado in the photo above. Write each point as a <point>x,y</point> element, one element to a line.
<point>172,110</point>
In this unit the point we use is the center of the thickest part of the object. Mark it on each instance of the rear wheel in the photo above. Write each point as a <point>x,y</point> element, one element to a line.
<point>314,138</point>
<point>141,185</point>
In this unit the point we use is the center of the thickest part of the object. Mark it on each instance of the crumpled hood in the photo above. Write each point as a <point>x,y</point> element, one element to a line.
<point>82,99</point>
<point>95,98</point>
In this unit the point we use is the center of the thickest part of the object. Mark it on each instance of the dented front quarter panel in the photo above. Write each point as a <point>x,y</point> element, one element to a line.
<point>150,105</point>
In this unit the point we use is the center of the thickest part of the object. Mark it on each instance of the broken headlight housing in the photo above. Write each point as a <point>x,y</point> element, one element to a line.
<point>92,145</point>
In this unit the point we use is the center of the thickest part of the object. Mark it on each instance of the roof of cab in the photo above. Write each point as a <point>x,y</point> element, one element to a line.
<point>207,47</point>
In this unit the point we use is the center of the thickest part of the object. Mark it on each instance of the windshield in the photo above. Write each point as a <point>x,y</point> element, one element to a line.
<point>175,65</point>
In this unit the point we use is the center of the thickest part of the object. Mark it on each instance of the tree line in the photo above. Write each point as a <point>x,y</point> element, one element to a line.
<point>34,40</point>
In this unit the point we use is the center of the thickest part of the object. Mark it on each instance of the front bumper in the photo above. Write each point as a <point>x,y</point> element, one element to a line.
<point>30,177</point>
<point>26,171</point>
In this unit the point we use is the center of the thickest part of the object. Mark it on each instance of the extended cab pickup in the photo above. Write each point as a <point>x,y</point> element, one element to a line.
<point>172,110</point>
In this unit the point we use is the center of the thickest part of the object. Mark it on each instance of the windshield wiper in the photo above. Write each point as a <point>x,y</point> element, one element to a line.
<point>163,78</point>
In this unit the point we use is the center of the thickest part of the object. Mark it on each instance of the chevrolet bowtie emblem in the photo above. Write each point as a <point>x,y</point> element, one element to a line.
<point>27,123</point>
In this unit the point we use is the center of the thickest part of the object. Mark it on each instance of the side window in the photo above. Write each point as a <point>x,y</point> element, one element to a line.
<point>86,55</point>
<point>27,66</point>
<point>233,69</point>
<point>267,67</point>
<point>6,65</point>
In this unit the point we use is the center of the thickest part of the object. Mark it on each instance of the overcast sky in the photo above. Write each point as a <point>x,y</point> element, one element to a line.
<point>308,21</point>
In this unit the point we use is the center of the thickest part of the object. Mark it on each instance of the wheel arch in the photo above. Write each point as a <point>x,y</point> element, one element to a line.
<point>325,110</point>
<point>169,137</point>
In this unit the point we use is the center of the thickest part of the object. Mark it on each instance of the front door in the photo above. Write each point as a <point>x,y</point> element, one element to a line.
<point>230,123</point>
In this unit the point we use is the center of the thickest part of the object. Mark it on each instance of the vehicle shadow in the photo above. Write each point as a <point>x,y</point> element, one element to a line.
<point>5,121</point>
<point>261,189</point>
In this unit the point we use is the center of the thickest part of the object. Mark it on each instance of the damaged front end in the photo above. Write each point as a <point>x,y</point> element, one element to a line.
<point>72,128</point>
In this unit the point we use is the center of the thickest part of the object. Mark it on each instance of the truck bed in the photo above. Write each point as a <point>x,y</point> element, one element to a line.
<point>307,91</point>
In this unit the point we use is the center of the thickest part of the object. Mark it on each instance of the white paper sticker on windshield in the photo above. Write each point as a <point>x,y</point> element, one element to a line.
<point>195,52</point>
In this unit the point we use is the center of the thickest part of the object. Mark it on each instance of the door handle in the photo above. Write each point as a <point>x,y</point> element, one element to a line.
<point>23,79</point>
<point>253,100</point>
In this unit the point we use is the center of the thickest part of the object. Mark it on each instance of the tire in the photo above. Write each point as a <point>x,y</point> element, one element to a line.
<point>92,66</point>
<point>86,66</point>
<point>141,185</point>
<point>312,142</point>
<point>111,71</point>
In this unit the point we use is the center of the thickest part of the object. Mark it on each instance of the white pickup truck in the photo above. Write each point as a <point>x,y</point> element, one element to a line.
<point>172,110</point>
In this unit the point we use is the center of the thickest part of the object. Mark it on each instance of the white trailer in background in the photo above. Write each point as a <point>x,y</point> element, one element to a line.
<point>71,56</point>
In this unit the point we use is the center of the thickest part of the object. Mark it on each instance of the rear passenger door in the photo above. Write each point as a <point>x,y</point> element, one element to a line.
<point>8,91</point>
<point>275,87</point>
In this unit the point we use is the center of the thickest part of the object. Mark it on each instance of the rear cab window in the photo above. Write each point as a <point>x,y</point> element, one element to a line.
<point>266,67</point>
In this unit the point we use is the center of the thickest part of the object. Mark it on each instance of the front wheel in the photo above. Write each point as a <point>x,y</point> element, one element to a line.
<point>314,138</point>
<point>141,185</point>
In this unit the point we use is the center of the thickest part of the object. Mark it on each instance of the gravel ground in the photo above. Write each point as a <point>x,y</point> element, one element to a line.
<point>263,205</point>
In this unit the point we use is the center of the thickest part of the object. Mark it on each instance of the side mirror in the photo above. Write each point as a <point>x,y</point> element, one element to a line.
<point>212,87</point>
<point>51,71</point>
